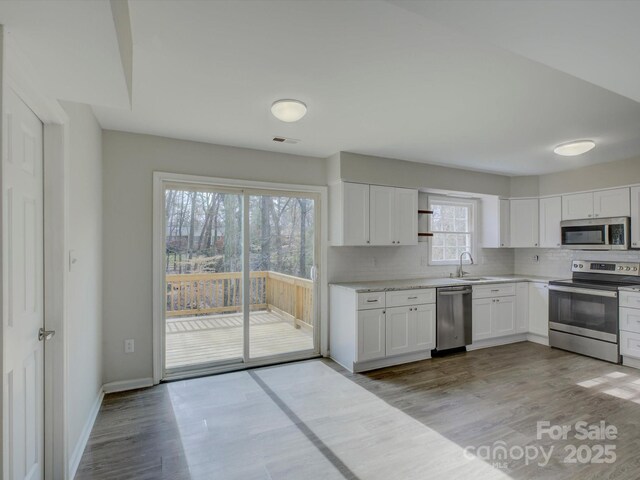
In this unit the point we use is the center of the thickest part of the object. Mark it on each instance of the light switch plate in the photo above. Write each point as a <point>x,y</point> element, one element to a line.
<point>129,346</point>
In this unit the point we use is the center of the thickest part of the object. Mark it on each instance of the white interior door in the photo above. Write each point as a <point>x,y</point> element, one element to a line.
<point>22,259</point>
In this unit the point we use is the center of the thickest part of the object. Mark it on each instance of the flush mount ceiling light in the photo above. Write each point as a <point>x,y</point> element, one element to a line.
<point>288,110</point>
<point>572,149</point>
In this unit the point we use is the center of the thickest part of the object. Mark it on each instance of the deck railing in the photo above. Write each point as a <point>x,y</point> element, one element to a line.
<point>210,293</point>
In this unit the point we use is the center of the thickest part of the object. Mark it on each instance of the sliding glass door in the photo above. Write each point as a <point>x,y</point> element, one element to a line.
<point>282,239</point>
<point>209,321</point>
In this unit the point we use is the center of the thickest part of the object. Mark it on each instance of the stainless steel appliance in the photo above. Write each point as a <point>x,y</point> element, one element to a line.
<point>595,234</point>
<point>453,317</point>
<point>583,310</point>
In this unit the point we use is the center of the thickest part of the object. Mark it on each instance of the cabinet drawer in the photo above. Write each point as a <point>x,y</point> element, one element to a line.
<point>411,297</point>
<point>490,291</point>
<point>630,299</point>
<point>630,320</point>
<point>630,344</point>
<point>370,300</point>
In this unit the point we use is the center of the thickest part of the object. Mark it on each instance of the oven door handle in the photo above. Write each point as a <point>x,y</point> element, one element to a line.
<point>584,291</point>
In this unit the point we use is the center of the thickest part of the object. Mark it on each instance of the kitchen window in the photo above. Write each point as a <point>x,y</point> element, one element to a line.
<point>452,224</point>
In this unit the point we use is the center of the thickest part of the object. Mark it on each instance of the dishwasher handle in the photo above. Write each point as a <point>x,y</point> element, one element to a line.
<point>446,292</point>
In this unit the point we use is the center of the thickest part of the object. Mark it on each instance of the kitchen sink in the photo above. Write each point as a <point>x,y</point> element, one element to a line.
<point>475,279</point>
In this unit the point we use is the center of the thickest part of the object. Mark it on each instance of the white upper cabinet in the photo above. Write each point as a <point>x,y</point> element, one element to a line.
<point>550,217</point>
<point>576,206</point>
<point>393,216</point>
<point>611,203</point>
<point>406,216</point>
<point>363,214</point>
<point>524,223</point>
<point>635,217</point>
<point>599,204</point>
<point>349,212</point>
<point>494,213</point>
<point>382,215</point>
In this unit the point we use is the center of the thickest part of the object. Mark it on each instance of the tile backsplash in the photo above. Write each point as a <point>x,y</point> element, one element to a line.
<point>391,263</point>
<point>557,262</point>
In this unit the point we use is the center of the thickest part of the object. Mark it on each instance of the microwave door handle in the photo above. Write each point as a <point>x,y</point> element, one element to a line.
<point>607,238</point>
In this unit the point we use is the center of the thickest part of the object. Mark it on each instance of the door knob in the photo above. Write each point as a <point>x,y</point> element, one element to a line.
<point>45,334</point>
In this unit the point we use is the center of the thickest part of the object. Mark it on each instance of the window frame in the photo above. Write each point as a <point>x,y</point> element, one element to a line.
<point>470,203</point>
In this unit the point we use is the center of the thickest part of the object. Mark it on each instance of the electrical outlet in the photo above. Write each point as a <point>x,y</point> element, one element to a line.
<point>536,259</point>
<point>374,262</point>
<point>129,346</point>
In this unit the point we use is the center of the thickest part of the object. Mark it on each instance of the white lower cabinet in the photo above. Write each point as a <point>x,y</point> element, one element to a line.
<point>374,329</point>
<point>522,307</point>
<point>630,328</point>
<point>371,334</point>
<point>410,329</point>
<point>493,317</point>
<point>539,309</point>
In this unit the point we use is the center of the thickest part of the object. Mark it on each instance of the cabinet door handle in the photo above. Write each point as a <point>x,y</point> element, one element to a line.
<point>412,298</point>
<point>497,290</point>
<point>372,301</point>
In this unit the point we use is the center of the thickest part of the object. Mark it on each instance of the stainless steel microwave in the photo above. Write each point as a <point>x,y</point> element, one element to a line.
<point>596,234</point>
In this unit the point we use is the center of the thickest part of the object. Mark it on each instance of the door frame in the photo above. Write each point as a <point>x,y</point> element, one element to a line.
<point>162,179</point>
<point>18,75</point>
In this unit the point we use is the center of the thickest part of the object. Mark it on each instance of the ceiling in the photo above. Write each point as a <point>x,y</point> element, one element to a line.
<point>71,46</point>
<point>467,84</point>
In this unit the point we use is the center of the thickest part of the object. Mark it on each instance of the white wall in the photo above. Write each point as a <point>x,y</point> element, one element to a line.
<point>84,320</point>
<point>129,161</point>
<point>400,173</point>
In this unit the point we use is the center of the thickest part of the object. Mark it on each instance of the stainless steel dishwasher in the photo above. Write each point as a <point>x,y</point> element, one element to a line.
<point>453,317</point>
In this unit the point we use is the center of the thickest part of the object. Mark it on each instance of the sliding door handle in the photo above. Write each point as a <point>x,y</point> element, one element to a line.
<point>45,334</point>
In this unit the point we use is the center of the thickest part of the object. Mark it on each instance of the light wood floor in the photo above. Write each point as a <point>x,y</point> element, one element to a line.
<point>313,420</point>
<point>194,340</point>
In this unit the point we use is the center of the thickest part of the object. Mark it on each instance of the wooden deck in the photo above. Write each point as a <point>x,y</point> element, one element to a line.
<point>195,340</point>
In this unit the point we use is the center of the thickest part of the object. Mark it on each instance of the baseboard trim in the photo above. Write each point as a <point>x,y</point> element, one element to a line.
<point>495,342</point>
<point>124,385</point>
<point>76,456</point>
<point>535,338</point>
<point>390,361</point>
<point>630,362</point>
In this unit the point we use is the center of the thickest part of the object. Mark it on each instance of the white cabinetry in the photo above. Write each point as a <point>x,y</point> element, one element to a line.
<point>495,216</point>
<point>349,212</point>
<point>371,334</point>
<point>524,223</point>
<point>577,205</point>
<point>550,217</point>
<point>539,309</point>
<point>598,204</point>
<point>493,311</point>
<point>393,216</point>
<point>522,307</point>
<point>410,329</point>
<point>374,329</point>
<point>611,203</point>
<point>363,214</point>
<point>635,217</point>
<point>630,328</point>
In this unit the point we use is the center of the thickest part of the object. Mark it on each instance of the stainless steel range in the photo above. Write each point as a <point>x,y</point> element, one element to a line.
<point>583,310</point>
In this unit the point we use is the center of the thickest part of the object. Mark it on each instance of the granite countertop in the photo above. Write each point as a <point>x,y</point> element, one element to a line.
<point>416,283</point>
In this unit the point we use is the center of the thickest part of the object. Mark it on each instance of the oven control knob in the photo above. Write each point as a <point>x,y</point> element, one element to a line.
<point>620,268</point>
<point>635,269</point>
<point>627,268</point>
<point>581,265</point>
<point>575,265</point>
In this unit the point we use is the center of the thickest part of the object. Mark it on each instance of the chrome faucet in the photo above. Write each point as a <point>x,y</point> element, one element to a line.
<point>461,272</point>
